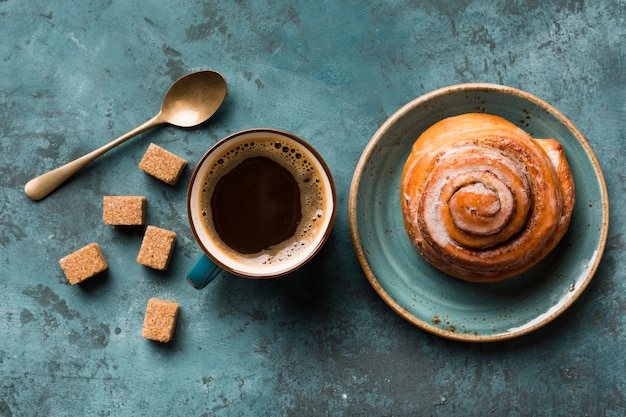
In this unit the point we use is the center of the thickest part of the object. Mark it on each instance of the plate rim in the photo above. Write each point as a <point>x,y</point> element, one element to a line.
<point>376,138</point>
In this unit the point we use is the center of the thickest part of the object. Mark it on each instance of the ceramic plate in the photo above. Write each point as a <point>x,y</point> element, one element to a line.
<point>447,306</point>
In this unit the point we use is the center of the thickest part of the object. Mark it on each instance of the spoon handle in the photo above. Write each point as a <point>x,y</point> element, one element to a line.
<point>39,187</point>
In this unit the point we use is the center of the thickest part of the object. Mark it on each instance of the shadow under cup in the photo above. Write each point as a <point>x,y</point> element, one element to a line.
<point>255,192</point>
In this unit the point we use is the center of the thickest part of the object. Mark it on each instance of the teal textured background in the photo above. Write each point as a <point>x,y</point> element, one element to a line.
<point>318,342</point>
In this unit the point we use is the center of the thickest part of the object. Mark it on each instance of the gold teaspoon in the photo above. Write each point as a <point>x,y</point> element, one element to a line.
<point>190,101</point>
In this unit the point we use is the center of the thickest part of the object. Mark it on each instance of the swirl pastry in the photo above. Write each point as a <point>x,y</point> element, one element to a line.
<point>482,200</point>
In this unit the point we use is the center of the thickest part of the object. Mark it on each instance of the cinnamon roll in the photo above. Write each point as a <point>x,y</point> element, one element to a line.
<point>482,200</point>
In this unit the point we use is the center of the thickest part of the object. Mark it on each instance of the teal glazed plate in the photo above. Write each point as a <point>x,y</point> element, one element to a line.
<point>441,304</point>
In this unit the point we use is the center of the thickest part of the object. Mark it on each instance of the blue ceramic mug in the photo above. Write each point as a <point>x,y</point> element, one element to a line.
<point>261,203</point>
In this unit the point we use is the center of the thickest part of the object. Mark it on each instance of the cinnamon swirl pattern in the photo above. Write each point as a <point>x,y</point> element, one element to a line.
<point>482,200</point>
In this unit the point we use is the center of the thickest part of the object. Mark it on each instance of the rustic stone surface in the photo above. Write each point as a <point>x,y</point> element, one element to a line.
<point>319,342</point>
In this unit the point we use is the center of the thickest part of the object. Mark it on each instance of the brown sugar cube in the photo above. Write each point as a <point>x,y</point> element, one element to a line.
<point>83,264</point>
<point>124,210</point>
<point>160,320</point>
<point>156,248</point>
<point>162,164</point>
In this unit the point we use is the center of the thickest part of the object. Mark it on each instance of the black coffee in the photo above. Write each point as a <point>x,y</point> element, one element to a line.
<point>264,199</point>
<point>256,205</point>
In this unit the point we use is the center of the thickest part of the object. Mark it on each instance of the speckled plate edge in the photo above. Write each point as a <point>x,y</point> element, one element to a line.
<point>542,318</point>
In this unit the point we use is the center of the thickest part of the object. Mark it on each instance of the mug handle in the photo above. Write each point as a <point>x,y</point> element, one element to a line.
<point>203,272</point>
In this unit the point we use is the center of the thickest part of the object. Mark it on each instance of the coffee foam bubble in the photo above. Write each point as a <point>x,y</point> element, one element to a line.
<point>312,196</point>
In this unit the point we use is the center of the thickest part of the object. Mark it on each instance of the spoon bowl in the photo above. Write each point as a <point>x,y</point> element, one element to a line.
<point>190,101</point>
<point>193,99</point>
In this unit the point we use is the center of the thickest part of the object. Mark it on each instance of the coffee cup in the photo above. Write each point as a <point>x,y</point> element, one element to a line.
<point>261,203</point>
